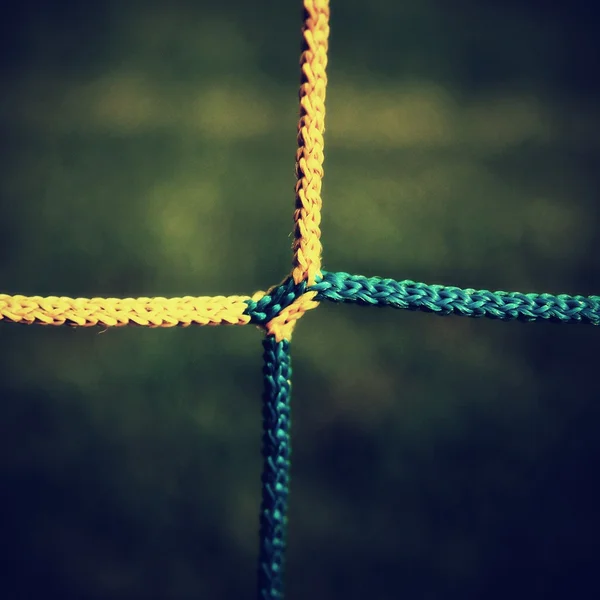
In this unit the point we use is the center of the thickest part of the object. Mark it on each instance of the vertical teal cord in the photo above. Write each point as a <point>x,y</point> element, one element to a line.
<point>277,372</point>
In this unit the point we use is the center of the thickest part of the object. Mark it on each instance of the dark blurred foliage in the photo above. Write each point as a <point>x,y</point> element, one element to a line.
<point>147,149</point>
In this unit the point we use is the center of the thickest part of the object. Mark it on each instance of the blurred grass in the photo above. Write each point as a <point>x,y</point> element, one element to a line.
<point>148,150</point>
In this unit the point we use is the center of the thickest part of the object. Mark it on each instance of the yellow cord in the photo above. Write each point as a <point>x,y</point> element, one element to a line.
<point>118,312</point>
<point>309,165</point>
<point>309,157</point>
<point>219,310</point>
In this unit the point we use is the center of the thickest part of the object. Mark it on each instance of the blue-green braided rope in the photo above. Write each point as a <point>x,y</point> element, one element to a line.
<point>370,291</point>
<point>439,299</point>
<point>448,300</point>
<point>277,373</point>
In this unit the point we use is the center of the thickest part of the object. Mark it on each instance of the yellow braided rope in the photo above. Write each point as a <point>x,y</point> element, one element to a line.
<point>219,310</point>
<point>118,312</point>
<point>309,165</point>
<point>309,157</point>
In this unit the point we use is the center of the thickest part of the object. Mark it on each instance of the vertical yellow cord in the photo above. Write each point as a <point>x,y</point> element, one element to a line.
<point>309,165</point>
<point>309,157</point>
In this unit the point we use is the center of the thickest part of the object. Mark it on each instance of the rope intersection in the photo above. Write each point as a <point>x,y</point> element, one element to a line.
<point>287,301</point>
<point>278,309</point>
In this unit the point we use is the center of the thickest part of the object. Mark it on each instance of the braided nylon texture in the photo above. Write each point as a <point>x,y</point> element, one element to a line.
<point>277,373</point>
<point>448,300</point>
<point>309,158</point>
<point>266,308</point>
<point>278,309</point>
<point>282,325</point>
<point>118,312</point>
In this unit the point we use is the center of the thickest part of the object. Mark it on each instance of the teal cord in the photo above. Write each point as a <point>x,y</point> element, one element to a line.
<point>370,291</point>
<point>276,467</point>
<point>448,300</point>
<point>438,299</point>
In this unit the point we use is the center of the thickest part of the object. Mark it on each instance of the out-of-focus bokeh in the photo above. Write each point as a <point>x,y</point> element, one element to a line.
<point>147,149</point>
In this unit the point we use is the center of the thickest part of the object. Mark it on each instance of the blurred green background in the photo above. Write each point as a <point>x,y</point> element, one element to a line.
<point>147,149</point>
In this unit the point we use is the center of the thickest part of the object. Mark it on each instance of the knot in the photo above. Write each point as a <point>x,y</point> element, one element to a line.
<point>278,309</point>
<point>265,306</point>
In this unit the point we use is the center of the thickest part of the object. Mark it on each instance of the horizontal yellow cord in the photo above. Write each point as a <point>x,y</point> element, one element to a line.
<point>118,312</point>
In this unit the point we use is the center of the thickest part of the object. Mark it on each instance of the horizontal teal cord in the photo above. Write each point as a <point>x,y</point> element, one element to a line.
<point>439,299</point>
<point>448,300</point>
